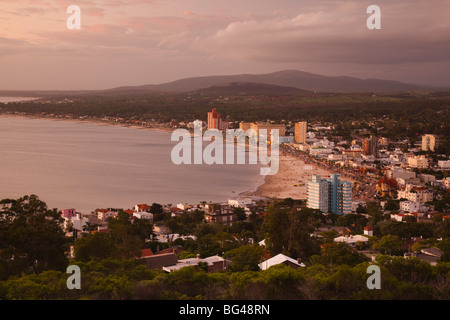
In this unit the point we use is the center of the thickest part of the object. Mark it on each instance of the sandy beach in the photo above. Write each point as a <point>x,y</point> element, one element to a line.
<point>290,181</point>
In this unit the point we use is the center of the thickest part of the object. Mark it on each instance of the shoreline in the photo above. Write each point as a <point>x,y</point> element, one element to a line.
<point>289,182</point>
<point>92,121</point>
<point>251,189</point>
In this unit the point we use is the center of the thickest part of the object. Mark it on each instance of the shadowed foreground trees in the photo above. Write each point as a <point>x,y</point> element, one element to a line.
<point>33,262</point>
<point>401,279</point>
<point>289,231</point>
<point>31,237</point>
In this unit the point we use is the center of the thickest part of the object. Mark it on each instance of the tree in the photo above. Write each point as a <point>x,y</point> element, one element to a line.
<point>289,231</point>
<point>390,243</point>
<point>31,237</point>
<point>240,213</point>
<point>392,205</point>
<point>375,213</point>
<point>338,254</point>
<point>444,245</point>
<point>126,238</point>
<point>88,227</point>
<point>245,258</point>
<point>142,228</point>
<point>361,209</point>
<point>96,246</point>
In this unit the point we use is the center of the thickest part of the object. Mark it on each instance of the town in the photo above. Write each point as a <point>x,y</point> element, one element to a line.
<point>349,192</point>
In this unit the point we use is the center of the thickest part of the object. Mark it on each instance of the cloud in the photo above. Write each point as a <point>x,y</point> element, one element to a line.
<point>337,35</point>
<point>203,36</point>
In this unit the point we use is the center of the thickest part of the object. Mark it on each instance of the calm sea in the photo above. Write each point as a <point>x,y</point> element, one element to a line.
<point>87,166</point>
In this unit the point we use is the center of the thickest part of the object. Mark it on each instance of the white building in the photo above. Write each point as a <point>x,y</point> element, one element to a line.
<point>420,162</point>
<point>336,157</point>
<point>351,240</point>
<point>320,150</point>
<point>444,164</point>
<point>77,222</point>
<point>104,214</point>
<point>368,231</point>
<point>330,194</point>
<point>400,217</point>
<point>215,263</point>
<point>278,259</point>
<point>143,215</point>
<point>415,194</point>
<point>240,202</point>
<point>412,206</point>
<point>183,206</point>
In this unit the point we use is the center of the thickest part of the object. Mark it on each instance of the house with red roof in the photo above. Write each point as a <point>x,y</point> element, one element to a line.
<point>104,214</point>
<point>142,208</point>
<point>368,231</point>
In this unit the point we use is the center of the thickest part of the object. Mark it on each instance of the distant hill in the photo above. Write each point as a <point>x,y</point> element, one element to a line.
<point>249,88</point>
<point>289,78</point>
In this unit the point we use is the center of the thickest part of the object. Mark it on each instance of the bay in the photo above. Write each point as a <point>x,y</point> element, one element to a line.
<point>74,164</point>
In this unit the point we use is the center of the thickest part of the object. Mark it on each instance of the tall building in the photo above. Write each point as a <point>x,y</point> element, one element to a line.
<point>429,142</point>
<point>256,126</point>
<point>317,193</point>
<point>300,132</point>
<point>268,127</point>
<point>244,126</point>
<point>215,121</point>
<point>370,146</point>
<point>329,195</point>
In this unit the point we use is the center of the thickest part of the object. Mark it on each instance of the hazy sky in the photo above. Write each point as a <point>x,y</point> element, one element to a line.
<point>136,42</point>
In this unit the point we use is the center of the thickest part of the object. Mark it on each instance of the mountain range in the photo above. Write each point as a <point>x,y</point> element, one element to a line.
<point>289,79</point>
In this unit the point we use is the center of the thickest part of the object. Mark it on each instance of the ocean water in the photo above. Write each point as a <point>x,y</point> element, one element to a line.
<point>87,166</point>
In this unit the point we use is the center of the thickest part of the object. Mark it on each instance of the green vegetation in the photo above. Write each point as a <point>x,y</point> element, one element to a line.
<point>33,263</point>
<point>127,279</point>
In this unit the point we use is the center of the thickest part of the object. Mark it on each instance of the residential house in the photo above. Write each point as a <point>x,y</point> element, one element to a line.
<point>368,231</point>
<point>104,214</point>
<point>66,213</point>
<point>411,206</point>
<point>415,194</point>
<point>430,255</point>
<point>183,206</point>
<point>280,259</point>
<point>143,215</point>
<point>220,213</point>
<point>142,208</point>
<point>159,261</point>
<point>401,217</point>
<point>214,263</point>
<point>444,164</point>
<point>240,202</point>
<point>351,240</point>
<point>77,222</point>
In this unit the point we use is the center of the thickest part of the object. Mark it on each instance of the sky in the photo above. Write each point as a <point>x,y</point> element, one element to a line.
<point>137,42</point>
